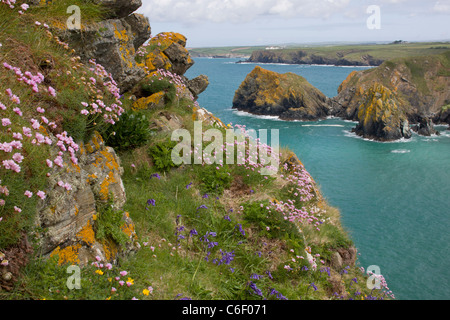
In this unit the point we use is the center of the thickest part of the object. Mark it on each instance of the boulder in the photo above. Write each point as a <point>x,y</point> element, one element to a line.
<point>120,8</point>
<point>68,216</point>
<point>425,127</point>
<point>288,96</point>
<point>113,44</point>
<point>198,85</point>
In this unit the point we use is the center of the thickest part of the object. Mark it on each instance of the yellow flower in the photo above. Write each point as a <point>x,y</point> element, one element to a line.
<point>100,272</point>
<point>94,217</point>
<point>146,292</point>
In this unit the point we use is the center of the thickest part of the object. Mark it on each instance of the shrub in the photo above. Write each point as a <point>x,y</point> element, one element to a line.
<point>108,224</point>
<point>215,179</point>
<point>131,131</point>
<point>257,213</point>
<point>161,154</point>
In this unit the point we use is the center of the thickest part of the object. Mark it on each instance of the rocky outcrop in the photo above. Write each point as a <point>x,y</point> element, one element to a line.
<point>68,217</point>
<point>425,127</point>
<point>120,8</point>
<point>379,116</point>
<point>303,57</point>
<point>113,43</point>
<point>198,85</point>
<point>420,83</point>
<point>168,52</point>
<point>288,96</point>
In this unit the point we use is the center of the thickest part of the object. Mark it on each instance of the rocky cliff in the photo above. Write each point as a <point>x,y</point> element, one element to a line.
<point>293,56</point>
<point>288,96</point>
<point>420,83</point>
<point>388,101</point>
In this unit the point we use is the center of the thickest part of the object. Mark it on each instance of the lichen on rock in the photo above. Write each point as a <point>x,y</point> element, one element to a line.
<point>288,96</point>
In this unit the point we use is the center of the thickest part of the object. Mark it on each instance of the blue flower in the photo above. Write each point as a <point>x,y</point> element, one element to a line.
<point>240,229</point>
<point>202,207</point>
<point>193,232</point>
<point>156,176</point>
<point>151,202</point>
<point>189,185</point>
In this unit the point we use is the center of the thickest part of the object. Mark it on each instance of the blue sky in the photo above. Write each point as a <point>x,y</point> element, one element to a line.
<point>208,23</point>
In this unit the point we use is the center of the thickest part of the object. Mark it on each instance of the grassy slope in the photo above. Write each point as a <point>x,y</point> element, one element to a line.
<point>257,240</point>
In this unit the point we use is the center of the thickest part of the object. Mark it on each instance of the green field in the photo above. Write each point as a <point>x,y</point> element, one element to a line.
<point>344,51</point>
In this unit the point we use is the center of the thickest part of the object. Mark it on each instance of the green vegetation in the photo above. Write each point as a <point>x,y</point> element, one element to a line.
<point>351,52</point>
<point>131,131</point>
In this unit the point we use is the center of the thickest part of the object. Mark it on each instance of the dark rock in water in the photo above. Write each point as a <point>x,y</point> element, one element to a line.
<point>288,96</point>
<point>425,127</point>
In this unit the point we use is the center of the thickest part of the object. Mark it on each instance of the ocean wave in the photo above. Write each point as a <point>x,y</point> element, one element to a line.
<point>323,125</point>
<point>251,115</point>
<point>355,136</point>
<point>402,151</point>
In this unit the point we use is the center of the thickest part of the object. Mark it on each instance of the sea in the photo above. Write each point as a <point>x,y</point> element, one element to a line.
<point>394,197</point>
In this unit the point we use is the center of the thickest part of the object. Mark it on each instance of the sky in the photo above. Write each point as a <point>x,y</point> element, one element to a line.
<point>215,23</point>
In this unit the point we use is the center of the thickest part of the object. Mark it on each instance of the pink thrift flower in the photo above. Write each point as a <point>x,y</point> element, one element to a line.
<point>40,110</point>
<point>6,122</point>
<point>41,194</point>
<point>18,111</point>
<point>28,193</point>
<point>49,163</point>
<point>35,124</point>
<point>123,273</point>
<point>52,91</point>
<point>17,157</point>
<point>17,209</point>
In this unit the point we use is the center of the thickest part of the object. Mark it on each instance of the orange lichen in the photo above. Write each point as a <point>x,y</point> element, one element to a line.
<point>346,81</point>
<point>104,187</point>
<point>87,234</point>
<point>146,102</point>
<point>67,255</point>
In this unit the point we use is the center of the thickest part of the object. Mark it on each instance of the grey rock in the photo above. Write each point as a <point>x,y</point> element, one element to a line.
<point>120,8</point>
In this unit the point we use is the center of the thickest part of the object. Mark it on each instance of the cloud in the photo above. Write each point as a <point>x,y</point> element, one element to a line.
<point>442,6</point>
<point>237,11</point>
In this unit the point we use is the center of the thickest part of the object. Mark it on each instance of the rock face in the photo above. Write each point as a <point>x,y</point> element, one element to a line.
<point>379,116</point>
<point>302,57</point>
<point>120,8</point>
<point>113,43</point>
<point>69,217</point>
<point>288,96</point>
<point>421,85</point>
<point>169,52</point>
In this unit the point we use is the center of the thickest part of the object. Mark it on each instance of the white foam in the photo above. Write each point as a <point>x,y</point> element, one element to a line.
<point>247,114</point>
<point>323,125</point>
<point>354,135</point>
<point>401,151</point>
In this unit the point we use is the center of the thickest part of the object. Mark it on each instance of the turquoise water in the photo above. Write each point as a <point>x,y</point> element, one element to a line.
<point>393,197</point>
